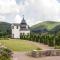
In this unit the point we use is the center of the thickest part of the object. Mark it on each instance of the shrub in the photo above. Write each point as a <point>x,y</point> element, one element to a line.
<point>5,53</point>
<point>38,49</point>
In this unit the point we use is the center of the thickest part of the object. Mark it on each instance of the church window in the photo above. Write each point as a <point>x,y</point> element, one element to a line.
<point>17,27</point>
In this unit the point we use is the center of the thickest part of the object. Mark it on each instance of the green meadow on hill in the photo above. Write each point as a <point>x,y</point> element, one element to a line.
<point>49,25</point>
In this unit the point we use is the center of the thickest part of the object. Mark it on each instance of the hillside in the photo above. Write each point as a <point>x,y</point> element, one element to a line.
<point>5,27</point>
<point>40,27</point>
<point>56,29</point>
<point>46,25</point>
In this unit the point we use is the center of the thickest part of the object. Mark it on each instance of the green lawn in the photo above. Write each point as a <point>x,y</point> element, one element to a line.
<point>57,47</point>
<point>18,45</point>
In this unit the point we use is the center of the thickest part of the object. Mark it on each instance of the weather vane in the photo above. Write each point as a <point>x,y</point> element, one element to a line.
<point>23,16</point>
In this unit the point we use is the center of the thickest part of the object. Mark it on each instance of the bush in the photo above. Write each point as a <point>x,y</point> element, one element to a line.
<point>5,53</point>
<point>38,49</point>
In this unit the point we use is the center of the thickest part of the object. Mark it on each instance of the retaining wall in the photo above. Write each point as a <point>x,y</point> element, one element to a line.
<point>44,53</point>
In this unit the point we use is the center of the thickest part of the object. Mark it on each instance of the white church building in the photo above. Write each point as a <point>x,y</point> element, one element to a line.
<point>20,29</point>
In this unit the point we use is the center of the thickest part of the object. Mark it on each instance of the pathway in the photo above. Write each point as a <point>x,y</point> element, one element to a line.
<point>23,56</point>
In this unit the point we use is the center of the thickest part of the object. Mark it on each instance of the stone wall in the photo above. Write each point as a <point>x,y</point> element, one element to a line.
<point>44,53</point>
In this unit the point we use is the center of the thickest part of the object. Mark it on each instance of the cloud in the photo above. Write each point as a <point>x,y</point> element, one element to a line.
<point>17,19</point>
<point>31,21</point>
<point>40,10</point>
<point>34,10</point>
<point>2,18</point>
<point>44,9</point>
<point>8,6</point>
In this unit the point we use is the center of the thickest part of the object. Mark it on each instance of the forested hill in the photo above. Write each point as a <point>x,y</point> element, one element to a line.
<point>5,28</point>
<point>40,27</point>
<point>45,26</point>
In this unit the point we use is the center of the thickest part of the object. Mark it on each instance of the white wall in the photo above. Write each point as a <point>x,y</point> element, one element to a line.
<point>16,32</point>
<point>25,32</point>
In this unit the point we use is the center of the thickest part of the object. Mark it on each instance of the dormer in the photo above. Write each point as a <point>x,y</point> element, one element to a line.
<point>15,26</point>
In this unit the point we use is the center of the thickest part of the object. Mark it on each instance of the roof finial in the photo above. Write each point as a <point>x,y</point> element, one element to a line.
<point>23,17</point>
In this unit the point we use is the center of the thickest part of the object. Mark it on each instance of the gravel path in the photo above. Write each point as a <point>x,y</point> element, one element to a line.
<point>23,56</point>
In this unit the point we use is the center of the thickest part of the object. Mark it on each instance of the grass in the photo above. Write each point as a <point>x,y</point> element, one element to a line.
<point>18,45</point>
<point>57,47</point>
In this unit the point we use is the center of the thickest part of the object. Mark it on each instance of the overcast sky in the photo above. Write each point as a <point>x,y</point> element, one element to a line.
<point>34,11</point>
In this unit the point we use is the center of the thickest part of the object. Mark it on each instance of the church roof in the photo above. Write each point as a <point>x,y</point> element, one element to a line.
<point>23,21</point>
<point>16,24</point>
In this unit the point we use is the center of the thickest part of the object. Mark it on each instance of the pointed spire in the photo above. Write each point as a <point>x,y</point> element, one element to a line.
<point>23,17</point>
<point>23,21</point>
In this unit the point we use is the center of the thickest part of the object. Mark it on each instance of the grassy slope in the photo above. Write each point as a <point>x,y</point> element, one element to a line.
<point>18,45</point>
<point>47,24</point>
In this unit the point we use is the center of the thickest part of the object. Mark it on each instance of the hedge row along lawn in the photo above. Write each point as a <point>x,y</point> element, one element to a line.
<point>18,45</point>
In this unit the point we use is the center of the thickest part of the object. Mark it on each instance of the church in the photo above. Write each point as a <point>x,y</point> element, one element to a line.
<point>20,29</point>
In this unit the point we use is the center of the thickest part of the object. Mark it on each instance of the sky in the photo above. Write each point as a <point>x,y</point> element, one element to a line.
<point>34,11</point>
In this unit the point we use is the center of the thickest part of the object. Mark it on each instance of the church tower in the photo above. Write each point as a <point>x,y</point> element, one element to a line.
<point>20,29</point>
<point>24,28</point>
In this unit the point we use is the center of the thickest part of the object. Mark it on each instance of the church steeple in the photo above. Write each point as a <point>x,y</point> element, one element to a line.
<point>23,21</point>
<point>23,17</point>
